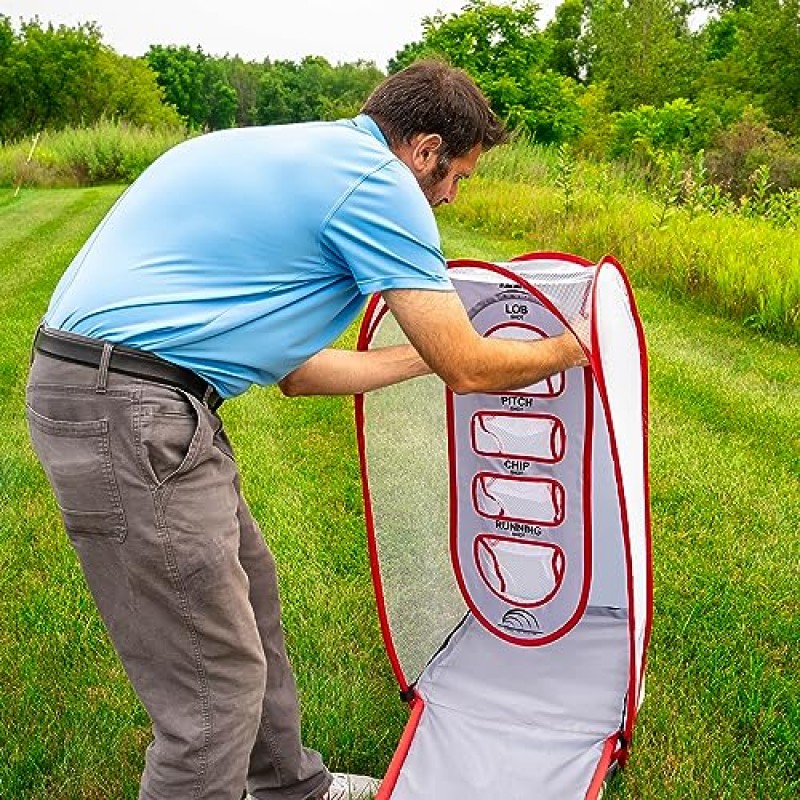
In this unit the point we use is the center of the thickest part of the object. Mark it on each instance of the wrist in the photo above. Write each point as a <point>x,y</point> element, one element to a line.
<point>572,350</point>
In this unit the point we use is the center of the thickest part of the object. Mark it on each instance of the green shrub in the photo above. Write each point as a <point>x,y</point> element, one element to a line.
<point>543,103</point>
<point>747,145</point>
<point>598,122</point>
<point>677,125</point>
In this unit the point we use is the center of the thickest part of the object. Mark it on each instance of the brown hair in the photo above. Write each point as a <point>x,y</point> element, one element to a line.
<point>433,97</point>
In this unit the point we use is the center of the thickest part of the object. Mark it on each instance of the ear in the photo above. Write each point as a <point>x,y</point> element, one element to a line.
<point>423,151</point>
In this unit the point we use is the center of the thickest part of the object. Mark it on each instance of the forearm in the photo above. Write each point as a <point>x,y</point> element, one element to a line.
<point>438,327</point>
<point>335,372</point>
<point>504,364</point>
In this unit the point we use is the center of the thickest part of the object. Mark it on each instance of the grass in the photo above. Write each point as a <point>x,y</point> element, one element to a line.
<point>678,233</point>
<point>105,152</point>
<point>721,717</point>
<point>746,267</point>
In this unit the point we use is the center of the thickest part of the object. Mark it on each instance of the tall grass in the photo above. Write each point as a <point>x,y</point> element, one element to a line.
<point>679,234</point>
<point>106,152</point>
<point>746,267</point>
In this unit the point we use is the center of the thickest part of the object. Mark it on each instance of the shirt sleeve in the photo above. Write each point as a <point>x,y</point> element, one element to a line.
<point>383,232</point>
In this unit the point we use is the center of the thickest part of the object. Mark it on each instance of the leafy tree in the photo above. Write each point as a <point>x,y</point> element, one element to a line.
<point>675,126</point>
<point>720,35</point>
<point>7,38</point>
<point>195,84</point>
<point>564,33</point>
<point>409,53</point>
<point>720,6</point>
<point>754,60</point>
<point>309,87</point>
<point>222,103</point>
<point>274,103</point>
<point>348,87</point>
<point>48,73</point>
<point>724,85</point>
<point>768,54</point>
<point>126,89</point>
<point>313,89</point>
<point>487,41</point>
<point>542,102</point>
<point>9,102</point>
<point>642,50</point>
<point>501,47</point>
<point>52,77</point>
<point>243,77</point>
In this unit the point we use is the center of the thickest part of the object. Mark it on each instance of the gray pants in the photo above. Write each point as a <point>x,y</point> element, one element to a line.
<point>149,492</point>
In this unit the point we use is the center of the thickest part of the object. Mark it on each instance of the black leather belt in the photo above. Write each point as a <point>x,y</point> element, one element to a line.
<point>125,360</point>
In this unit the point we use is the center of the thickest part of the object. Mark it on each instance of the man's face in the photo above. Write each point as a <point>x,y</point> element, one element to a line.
<point>439,182</point>
<point>438,177</point>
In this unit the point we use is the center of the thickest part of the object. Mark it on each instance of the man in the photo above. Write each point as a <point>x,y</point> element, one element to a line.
<point>237,258</point>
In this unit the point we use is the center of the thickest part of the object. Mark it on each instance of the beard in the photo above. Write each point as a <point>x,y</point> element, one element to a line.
<point>431,184</point>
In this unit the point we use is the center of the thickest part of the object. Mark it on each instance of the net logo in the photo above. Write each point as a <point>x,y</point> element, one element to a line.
<point>521,622</point>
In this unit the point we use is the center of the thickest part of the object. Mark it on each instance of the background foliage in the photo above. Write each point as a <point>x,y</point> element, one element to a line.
<point>58,77</point>
<point>626,80</point>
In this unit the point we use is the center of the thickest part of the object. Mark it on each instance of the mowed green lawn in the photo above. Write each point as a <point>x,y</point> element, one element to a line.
<point>722,714</point>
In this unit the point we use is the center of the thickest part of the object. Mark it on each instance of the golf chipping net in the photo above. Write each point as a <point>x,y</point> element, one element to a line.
<point>509,540</point>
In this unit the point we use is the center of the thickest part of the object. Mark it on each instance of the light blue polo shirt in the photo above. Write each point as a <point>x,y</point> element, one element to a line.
<point>242,253</point>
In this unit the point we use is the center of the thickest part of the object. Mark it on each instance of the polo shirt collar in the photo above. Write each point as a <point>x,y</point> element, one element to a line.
<point>366,123</point>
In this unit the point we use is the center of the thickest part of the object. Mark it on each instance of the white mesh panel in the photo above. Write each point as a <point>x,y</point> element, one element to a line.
<point>528,436</point>
<point>567,287</point>
<point>406,453</point>
<point>520,572</point>
<point>537,502</point>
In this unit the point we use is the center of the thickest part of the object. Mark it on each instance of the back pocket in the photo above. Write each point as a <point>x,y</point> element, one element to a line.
<point>76,457</point>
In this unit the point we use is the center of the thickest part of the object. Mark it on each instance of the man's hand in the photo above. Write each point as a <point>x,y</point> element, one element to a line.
<point>573,350</point>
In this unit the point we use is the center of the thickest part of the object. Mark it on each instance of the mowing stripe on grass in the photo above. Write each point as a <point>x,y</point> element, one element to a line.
<point>45,230</point>
<point>721,715</point>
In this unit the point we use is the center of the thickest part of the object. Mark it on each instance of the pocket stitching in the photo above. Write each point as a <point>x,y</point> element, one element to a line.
<point>73,429</point>
<point>88,429</point>
<point>190,456</point>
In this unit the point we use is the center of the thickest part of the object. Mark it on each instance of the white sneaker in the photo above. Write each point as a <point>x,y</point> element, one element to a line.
<point>352,787</point>
<point>348,787</point>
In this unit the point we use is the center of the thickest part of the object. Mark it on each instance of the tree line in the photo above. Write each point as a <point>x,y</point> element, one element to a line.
<point>617,78</point>
<point>56,77</point>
